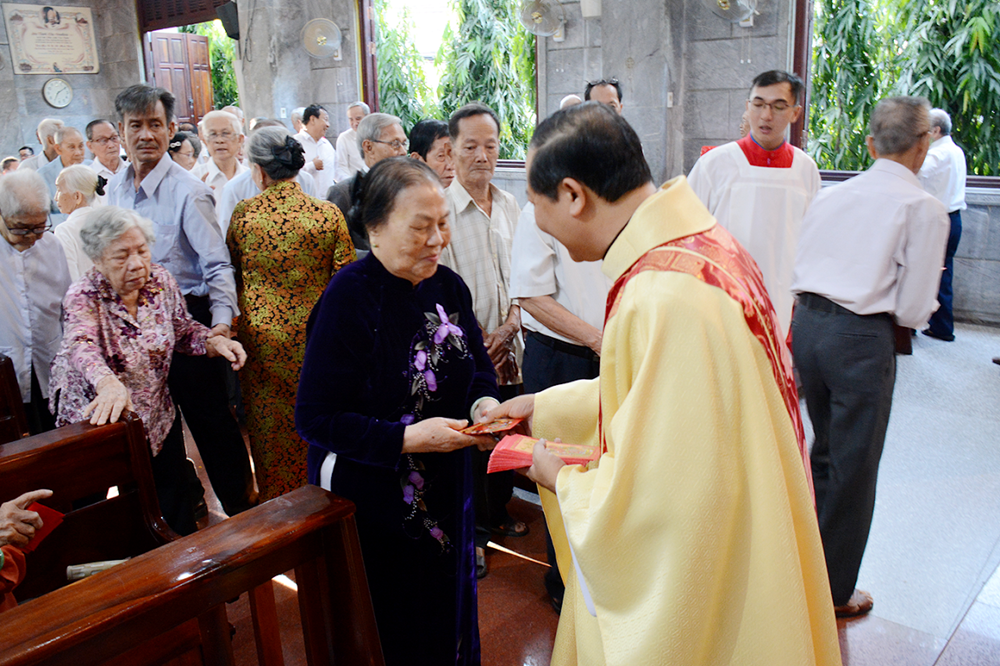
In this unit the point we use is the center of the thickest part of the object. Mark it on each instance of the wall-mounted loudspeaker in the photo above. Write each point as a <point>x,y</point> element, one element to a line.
<point>230,18</point>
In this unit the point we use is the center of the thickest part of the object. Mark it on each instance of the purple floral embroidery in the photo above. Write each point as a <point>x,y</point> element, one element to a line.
<point>408,492</point>
<point>416,480</point>
<point>446,328</point>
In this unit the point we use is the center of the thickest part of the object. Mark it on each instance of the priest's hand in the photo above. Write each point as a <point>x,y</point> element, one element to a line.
<point>440,435</point>
<point>521,407</point>
<point>545,466</point>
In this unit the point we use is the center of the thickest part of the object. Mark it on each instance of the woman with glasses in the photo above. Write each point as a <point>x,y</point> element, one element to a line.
<point>77,188</point>
<point>184,149</point>
<point>285,246</point>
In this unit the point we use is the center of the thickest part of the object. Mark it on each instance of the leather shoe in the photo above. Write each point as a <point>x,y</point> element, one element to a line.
<point>860,603</point>
<point>940,336</point>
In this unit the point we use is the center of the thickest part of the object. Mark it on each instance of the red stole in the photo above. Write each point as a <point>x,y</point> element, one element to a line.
<point>779,158</point>
<point>715,258</point>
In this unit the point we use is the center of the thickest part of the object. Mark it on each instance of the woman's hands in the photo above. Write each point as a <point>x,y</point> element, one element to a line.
<point>231,350</point>
<point>441,435</point>
<point>112,399</point>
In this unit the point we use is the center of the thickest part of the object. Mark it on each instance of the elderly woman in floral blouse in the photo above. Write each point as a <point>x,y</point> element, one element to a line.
<point>124,318</point>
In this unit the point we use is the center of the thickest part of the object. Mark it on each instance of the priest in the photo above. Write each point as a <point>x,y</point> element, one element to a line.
<point>693,539</point>
<point>759,187</point>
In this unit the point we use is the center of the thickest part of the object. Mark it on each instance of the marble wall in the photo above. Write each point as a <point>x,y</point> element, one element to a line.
<point>275,72</point>
<point>120,54</point>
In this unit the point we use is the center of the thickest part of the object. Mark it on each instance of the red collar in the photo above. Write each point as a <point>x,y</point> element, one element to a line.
<point>779,158</point>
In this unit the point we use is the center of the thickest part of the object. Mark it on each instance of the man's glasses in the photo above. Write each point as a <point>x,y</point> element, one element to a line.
<point>107,140</point>
<point>777,106</point>
<point>29,231</point>
<point>225,136</point>
<point>396,144</point>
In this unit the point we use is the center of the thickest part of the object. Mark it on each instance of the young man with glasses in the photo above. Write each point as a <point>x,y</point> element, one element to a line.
<point>33,280</point>
<point>759,187</point>
<point>103,141</point>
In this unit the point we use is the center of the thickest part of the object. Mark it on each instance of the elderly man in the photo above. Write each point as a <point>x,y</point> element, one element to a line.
<point>46,136</point>
<point>870,254</point>
<point>224,138</point>
<point>760,186</point>
<point>70,150</point>
<point>685,531</point>
<point>349,159</point>
<point>33,280</point>
<point>103,141</point>
<point>242,186</point>
<point>190,246</point>
<point>321,158</point>
<point>380,135</point>
<point>943,175</point>
<point>483,219</point>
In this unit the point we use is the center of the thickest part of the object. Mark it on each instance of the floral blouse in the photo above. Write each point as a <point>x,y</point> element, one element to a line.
<point>101,338</point>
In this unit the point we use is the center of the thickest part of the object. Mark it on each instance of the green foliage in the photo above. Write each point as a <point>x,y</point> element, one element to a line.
<point>491,59</point>
<point>402,86</point>
<point>222,52</point>
<point>864,50</point>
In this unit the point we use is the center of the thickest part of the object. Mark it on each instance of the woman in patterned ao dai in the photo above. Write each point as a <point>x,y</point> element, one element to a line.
<point>123,320</point>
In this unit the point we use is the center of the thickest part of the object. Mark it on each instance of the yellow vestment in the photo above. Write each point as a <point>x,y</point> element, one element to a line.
<point>696,531</point>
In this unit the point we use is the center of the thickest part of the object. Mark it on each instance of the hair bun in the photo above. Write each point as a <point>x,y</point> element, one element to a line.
<point>101,182</point>
<point>290,154</point>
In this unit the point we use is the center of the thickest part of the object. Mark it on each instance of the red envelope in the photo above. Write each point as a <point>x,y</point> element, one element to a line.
<point>50,520</point>
<point>514,452</point>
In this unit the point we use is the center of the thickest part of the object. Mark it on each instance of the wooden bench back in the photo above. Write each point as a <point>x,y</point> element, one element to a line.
<point>115,612</point>
<point>81,461</point>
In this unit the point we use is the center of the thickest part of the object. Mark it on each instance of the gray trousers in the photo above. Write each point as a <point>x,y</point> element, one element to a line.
<point>847,367</point>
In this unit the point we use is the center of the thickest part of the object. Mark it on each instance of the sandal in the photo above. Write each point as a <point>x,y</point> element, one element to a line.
<point>515,528</point>
<point>481,570</point>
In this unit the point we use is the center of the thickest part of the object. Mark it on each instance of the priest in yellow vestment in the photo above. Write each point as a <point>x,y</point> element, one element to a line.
<point>693,539</point>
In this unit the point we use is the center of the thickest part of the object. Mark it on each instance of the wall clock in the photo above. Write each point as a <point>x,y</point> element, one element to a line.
<point>57,92</point>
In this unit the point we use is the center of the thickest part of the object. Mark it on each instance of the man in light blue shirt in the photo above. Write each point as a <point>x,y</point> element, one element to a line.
<point>189,244</point>
<point>69,151</point>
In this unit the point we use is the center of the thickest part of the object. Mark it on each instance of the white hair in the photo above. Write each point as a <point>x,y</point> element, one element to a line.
<point>225,115</point>
<point>569,100</point>
<point>106,224</point>
<point>66,130</point>
<point>297,113</point>
<point>79,178</point>
<point>235,110</point>
<point>48,128</point>
<point>364,107</point>
<point>372,126</point>
<point>23,192</point>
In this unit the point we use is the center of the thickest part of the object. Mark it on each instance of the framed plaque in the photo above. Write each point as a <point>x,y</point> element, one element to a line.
<point>45,39</point>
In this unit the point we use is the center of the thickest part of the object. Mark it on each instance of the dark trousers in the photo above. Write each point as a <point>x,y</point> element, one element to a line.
<point>942,322</point>
<point>39,417</point>
<point>170,477</point>
<point>847,366</point>
<point>491,492</point>
<point>548,362</point>
<point>198,387</point>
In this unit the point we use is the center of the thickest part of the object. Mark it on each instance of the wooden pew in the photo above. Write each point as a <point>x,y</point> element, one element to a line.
<point>97,620</point>
<point>13,421</point>
<point>76,462</point>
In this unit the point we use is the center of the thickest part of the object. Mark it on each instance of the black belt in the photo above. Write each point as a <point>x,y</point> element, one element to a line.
<point>822,304</point>
<point>565,347</point>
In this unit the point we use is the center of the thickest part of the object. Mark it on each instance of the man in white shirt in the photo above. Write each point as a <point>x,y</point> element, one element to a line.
<point>297,119</point>
<point>321,158</point>
<point>33,280</point>
<point>349,158</point>
<point>70,150</point>
<point>759,187</point>
<point>943,175</point>
<point>223,134</point>
<point>103,141</point>
<point>870,253</point>
<point>483,220</point>
<point>46,136</point>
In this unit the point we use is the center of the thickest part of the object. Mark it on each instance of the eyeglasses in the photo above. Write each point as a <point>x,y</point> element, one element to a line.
<point>107,140</point>
<point>396,144</point>
<point>225,136</point>
<point>30,231</point>
<point>777,106</point>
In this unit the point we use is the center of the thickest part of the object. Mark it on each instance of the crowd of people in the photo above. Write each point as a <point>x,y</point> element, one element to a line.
<point>376,297</point>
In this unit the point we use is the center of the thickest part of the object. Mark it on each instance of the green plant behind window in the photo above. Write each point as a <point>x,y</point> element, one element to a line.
<point>402,86</point>
<point>222,52</point>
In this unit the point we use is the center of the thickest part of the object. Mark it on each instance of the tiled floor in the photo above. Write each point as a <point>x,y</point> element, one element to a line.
<point>931,561</point>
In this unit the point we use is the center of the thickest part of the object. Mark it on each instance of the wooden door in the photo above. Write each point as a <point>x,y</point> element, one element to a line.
<point>180,63</point>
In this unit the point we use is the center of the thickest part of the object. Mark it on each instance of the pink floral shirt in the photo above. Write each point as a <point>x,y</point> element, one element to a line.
<point>101,338</point>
